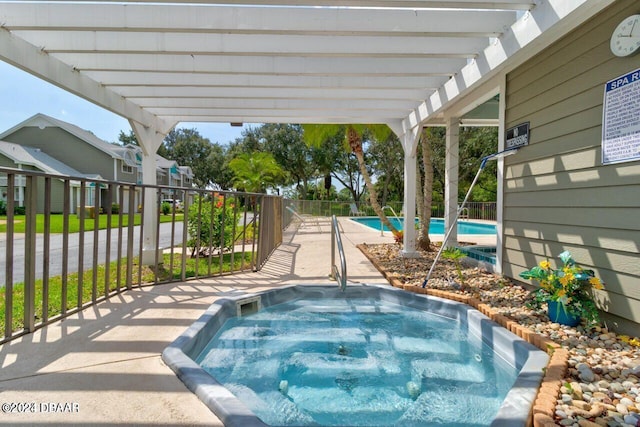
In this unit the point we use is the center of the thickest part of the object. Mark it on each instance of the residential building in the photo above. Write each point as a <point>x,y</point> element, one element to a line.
<point>84,154</point>
<point>560,191</point>
<point>34,159</point>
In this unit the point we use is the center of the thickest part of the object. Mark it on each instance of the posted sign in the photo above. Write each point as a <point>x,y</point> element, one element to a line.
<point>621,119</point>
<point>517,136</point>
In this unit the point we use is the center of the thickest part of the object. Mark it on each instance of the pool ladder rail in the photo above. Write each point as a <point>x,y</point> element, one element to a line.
<point>338,274</point>
<point>394,214</point>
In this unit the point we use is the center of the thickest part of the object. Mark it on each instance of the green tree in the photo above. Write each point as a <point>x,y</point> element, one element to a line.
<point>316,134</point>
<point>255,172</point>
<point>285,143</point>
<point>189,148</point>
<point>127,138</point>
<point>330,160</point>
<point>475,143</point>
<point>222,178</point>
<point>387,162</point>
<point>348,173</point>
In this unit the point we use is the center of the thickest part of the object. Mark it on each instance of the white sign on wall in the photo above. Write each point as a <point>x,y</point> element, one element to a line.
<point>621,119</point>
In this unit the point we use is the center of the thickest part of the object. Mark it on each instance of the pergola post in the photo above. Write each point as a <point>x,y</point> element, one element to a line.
<point>149,140</point>
<point>500,176</point>
<point>451,179</point>
<point>409,140</point>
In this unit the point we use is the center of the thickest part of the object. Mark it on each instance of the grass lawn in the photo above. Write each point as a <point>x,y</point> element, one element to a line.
<point>148,276</point>
<point>74,222</point>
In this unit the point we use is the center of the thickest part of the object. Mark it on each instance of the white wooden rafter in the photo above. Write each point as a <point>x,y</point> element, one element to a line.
<point>529,35</point>
<point>259,63</point>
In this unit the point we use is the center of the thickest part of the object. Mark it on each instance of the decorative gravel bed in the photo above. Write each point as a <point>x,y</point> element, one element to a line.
<point>594,380</point>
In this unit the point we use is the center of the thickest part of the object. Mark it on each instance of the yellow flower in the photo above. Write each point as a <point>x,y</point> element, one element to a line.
<point>561,293</point>
<point>545,264</point>
<point>567,278</point>
<point>635,342</point>
<point>595,282</point>
<point>624,338</point>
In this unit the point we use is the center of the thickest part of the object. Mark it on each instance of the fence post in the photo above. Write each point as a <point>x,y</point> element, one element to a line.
<point>31,202</point>
<point>8,287</point>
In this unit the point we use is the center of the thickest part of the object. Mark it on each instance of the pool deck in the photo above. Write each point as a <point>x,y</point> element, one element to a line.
<point>102,366</point>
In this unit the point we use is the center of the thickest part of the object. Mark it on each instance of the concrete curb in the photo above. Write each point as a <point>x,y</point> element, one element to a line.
<point>545,403</point>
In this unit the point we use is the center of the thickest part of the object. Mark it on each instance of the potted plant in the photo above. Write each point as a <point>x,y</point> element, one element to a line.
<point>566,290</point>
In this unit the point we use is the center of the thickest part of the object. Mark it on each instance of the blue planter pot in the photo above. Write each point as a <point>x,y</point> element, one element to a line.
<point>558,314</point>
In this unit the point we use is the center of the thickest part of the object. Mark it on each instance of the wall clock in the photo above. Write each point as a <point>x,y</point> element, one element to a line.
<point>625,40</point>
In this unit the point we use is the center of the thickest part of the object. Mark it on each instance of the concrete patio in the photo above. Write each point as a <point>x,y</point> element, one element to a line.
<point>102,366</point>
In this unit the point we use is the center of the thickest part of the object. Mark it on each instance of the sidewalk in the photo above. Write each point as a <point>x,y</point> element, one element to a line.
<point>103,367</point>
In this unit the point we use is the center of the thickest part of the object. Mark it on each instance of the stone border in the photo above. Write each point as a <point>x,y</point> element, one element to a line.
<point>544,405</point>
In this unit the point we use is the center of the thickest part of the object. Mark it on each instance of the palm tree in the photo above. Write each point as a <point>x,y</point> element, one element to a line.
<point>255,172</point>
<point>426,192</point>
<point>315,135</point>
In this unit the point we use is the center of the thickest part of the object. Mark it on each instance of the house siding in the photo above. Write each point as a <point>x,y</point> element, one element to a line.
<point>558,195</point>
<point>66,148</point>
<point>6,162</point>
<point>57,195</point>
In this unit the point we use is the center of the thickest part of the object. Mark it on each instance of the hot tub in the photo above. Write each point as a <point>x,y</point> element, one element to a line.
<point>413,388</point>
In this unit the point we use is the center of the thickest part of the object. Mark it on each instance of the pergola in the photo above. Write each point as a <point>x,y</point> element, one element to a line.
<point>406,63</point>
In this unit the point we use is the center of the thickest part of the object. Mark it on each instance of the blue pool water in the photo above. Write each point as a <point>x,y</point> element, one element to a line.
<point>358,362</point>
<point>435,227</point>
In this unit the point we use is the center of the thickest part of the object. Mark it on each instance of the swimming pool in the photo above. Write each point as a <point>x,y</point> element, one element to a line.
<point>373,387</point>
<point>435,227</point>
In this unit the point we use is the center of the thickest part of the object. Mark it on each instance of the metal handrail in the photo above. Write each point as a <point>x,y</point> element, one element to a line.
<point>394,214</point>
<point>339,275</point>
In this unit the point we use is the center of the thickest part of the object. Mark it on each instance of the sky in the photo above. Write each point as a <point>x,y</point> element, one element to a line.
<point>23,95</point>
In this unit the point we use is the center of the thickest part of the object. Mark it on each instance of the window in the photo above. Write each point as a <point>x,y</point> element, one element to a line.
<point>126,168</point>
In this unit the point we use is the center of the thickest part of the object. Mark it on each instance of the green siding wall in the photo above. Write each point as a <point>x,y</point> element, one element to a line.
<point>558,195</point>
<point>65,147</point>
<point>6,162</point>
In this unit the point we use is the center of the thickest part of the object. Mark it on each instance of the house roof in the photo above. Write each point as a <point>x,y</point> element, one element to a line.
<point>42,120</point>
<point>115,151</point>
<point>186,170</point>
<point>23,155</point>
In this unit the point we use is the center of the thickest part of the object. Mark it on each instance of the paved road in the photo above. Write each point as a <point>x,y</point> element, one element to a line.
<point>55,252</point>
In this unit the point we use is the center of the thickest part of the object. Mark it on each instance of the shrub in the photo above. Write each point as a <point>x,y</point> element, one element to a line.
<point>166,208</point>
<point>19,210</point>
<point>203,230</point>
<point>3,207</point>
<point>115,208</point>
<point>455,255</point>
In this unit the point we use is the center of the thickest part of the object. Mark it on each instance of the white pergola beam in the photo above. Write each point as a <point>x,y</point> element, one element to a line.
<point>446,4</point>
<point>276,65</point>
<point>258,93</point>
<point>298,118</point>
<point>23,55</point>
<point>237,81</point>
<point>274,103</point>
<point>253,20</point>
<point>255,44</point>
<point>375,115</point>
